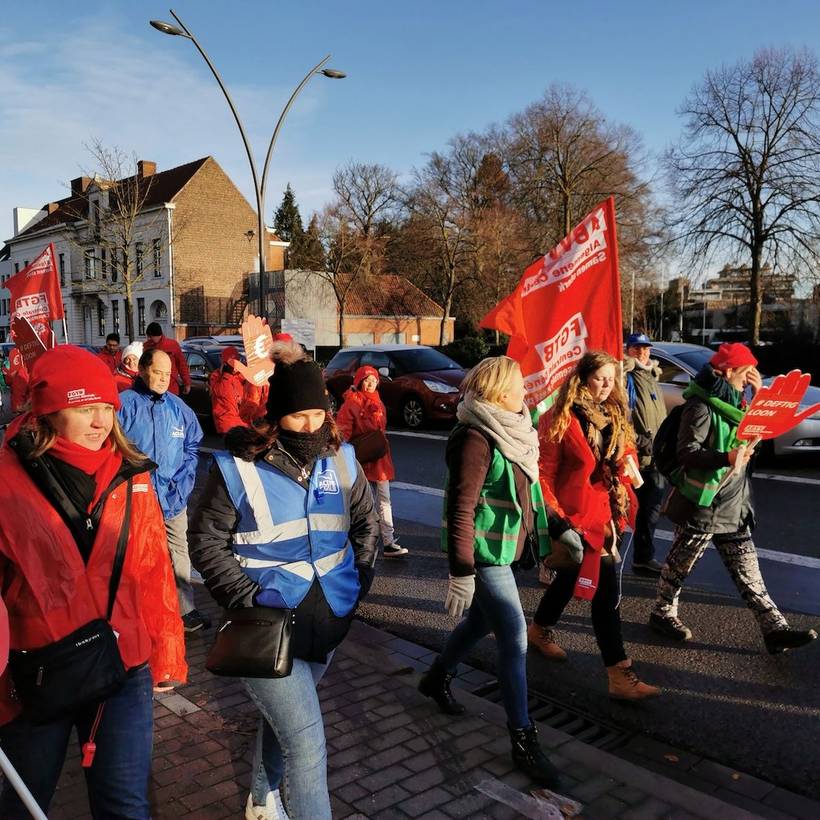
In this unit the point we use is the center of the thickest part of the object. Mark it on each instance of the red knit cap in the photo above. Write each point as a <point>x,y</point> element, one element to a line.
<point>229,354</point>
<point>68,376</point>
<point>732,354</point>
<point>363,372</point>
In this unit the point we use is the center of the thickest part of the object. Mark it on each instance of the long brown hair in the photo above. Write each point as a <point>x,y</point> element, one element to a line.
<point>248,443</point>
<point>574,390</point>
<point>44,436</point>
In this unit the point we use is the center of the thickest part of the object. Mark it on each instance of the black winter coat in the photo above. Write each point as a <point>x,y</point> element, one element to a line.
<point>317,630</point>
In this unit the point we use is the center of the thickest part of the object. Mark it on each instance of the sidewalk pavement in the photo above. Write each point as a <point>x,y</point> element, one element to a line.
<point>391,754</point>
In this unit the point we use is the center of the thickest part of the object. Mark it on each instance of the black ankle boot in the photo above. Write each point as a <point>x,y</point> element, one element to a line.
<point>782,640</point>
<point>530,758</point>
<point>435,684</point>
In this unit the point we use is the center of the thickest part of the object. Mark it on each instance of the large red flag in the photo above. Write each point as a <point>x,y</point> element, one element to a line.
<point>568,302</point>
<point>35,292</point>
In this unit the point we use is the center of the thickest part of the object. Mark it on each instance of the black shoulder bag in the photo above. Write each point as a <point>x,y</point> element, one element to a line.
<point>82,668</point>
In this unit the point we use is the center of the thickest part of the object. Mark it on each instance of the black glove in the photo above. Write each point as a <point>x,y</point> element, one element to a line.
<point>366,575</point>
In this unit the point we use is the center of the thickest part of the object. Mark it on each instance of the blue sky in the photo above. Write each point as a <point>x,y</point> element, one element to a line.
<point>419,72</point>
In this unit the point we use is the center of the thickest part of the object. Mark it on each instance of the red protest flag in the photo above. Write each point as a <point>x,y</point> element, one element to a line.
<point>28,341</point>
<point>35,292</point>
<point>567,302</point>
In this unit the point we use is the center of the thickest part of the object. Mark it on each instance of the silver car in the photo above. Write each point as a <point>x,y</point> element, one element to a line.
<point>679,362</point>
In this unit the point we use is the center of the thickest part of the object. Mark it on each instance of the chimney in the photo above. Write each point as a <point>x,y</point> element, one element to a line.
<point>146,168</point>
<point>79,185</point>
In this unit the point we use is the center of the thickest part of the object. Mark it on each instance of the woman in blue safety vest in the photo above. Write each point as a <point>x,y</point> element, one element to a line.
<point>286,520</point>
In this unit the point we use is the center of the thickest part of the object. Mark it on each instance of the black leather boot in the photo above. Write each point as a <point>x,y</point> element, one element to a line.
<point>530,758</point>
<point>435,684</point>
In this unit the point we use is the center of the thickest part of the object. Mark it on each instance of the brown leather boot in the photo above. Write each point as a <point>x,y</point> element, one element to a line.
<point>543,639</point>
<point>624,684</point>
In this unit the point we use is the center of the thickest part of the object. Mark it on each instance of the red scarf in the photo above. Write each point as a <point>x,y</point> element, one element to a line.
<point>103,464</point>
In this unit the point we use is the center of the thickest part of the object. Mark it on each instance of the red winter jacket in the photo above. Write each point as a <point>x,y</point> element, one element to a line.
<point>235,402</point>
<point>124,379</point>
<point>49,591</point>
<point>111,362</point>
<point>566,470</point>
<point>358,415</point>
<point>179,366</point>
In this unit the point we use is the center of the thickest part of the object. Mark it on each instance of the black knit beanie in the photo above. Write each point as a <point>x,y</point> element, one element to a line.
<point>296,387</point>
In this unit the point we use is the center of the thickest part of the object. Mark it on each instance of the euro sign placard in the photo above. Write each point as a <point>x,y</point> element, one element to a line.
<point>774,409</point>
<point>258,342</point>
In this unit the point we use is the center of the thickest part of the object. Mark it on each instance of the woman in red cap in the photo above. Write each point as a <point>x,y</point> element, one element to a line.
<point>235,402</point>
<point>362,413</point>
<point>711,500</point>
<point>79,511</point>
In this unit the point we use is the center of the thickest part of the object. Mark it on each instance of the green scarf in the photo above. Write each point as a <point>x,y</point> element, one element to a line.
<point>701,486</point>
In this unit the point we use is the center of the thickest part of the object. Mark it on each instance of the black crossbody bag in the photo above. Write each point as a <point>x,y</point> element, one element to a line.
<point>82,668</point>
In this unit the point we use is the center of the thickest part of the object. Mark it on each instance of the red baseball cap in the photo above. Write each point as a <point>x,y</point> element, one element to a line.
<point>68,376</point>
<point>732,354</point>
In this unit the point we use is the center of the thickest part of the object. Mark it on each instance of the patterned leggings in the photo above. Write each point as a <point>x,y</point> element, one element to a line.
<point>737,551</point>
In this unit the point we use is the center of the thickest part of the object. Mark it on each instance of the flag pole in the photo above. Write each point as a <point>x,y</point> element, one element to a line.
<point>65,331</point>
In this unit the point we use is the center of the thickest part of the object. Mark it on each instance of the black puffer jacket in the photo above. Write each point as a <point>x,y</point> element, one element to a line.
<point>317,630</point>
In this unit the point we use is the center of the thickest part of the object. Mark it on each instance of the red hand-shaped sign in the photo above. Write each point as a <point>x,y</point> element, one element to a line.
<point>774,408</point>
<point>258,340</point>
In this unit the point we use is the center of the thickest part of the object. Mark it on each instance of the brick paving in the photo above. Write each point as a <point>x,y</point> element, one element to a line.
<point>391,754</point>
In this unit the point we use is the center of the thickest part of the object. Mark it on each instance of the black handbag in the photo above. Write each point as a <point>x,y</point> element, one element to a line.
<point>369,446</point>
<point>253,643</point>
<point>83,668</point>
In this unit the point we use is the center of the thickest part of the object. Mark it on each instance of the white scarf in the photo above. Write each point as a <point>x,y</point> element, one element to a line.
<point>512,433</point>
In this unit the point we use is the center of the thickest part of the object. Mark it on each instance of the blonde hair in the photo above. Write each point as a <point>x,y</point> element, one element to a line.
<point>44,436</point>
<point>575,389</point>
<point>491,378</point>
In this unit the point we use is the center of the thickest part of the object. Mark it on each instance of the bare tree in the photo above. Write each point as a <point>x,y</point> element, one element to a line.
<point>746,172</point>
<point>343,258</point>
<point>366,195</point>
<point>112,228</point>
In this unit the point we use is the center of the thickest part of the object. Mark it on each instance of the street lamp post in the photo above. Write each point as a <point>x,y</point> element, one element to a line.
<point>259,182</point>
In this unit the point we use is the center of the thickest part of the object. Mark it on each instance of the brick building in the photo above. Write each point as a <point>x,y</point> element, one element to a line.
<point>382,310</point>
<point>190,251</point>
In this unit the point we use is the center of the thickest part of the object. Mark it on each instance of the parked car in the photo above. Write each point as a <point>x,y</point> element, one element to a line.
<point>679,362</point>
<point>203,357</point>
<point>417,383</point>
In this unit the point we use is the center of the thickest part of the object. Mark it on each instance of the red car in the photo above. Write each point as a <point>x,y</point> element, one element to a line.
<point>417,385</point>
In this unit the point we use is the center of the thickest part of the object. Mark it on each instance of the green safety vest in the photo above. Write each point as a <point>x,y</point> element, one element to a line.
<point>499,517</point>
<point>701,486</point>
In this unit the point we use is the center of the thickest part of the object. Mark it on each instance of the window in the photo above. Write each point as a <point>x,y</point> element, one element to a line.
<point>198,365</point>
<point>115,316</point>
<point>158,310</point>
<point>61,258</point>
<point>113,266</point>
<point>104,263</point>
<point>343,360</point>
<point>25,264</point>
<point>157,258</point>
<point>138,252</point>
<point>101,318</point>
<point>95,212</point>
<point>671,373</point>
<point>140,316</point>
<point>377,359</point>
<point>17,267</point>
<point>90,265</point>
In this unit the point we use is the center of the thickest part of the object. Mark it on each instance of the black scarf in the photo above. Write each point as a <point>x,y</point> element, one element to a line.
<point>305,447</point>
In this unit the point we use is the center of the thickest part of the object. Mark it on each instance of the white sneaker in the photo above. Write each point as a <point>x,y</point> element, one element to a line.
<point>272,810</point>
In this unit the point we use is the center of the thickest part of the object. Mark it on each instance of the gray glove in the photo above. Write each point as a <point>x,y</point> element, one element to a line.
<point>459,594</point>
<point>574,545</point>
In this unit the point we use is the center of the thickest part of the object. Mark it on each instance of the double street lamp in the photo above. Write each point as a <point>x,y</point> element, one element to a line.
<point>259,182</point>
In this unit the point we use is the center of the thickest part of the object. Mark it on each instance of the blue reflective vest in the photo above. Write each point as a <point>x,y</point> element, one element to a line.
<point>288,534</point>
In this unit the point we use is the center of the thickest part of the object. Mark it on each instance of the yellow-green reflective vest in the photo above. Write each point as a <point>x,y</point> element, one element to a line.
<point>499,517</point>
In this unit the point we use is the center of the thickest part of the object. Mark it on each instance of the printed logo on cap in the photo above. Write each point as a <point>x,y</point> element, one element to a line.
<point>81,395</point>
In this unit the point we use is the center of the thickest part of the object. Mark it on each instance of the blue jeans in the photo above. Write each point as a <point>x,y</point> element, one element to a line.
<point>290,744</point>
<point>496,608</point>
<point>117,782</point>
